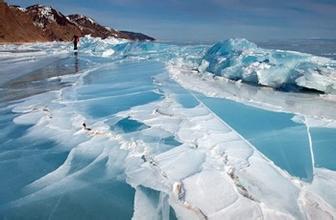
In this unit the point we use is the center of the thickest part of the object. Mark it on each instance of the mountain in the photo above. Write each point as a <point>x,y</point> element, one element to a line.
<point>137,36</point>
<point>43,23</point>
<point>89,26</point>
<point>53,24</point>
<point>17,26</point>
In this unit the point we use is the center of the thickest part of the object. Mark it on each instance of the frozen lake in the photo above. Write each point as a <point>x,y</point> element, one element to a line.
<point>157,131</point>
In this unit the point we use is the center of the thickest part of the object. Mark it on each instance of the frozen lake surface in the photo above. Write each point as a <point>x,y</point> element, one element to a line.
<point>126,130</point>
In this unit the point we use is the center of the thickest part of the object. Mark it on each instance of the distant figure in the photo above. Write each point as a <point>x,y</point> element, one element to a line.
<point>75,41</point>
<point>76,62</point>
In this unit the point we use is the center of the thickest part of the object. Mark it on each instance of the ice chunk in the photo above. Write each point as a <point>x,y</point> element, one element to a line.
<point>108,52</point>
<point>239,59</point>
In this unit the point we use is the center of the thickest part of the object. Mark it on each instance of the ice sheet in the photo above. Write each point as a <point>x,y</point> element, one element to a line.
<point>125,138</point>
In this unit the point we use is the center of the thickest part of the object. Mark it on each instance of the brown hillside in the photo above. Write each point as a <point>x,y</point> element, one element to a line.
<point>43,23</point>
<point>17,26</point>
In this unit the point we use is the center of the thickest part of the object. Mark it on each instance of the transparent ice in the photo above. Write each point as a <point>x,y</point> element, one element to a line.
<point>143,130</point>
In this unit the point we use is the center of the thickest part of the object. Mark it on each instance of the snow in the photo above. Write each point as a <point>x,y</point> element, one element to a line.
<point>46,12</point>
<point>91,20</point>
<point>39,24</point>
<point>108,28</point>
<point>22,9</point>
<point>85,18</point>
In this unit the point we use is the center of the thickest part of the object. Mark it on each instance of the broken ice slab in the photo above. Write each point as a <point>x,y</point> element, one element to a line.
<point>273,133</point>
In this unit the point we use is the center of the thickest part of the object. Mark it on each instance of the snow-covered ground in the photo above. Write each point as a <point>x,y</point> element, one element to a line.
<point>147,130</point>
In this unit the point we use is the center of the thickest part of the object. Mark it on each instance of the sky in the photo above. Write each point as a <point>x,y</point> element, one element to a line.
<point>208,20</point>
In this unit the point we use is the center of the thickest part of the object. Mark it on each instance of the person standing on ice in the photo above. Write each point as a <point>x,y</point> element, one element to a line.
<point>75,41</point>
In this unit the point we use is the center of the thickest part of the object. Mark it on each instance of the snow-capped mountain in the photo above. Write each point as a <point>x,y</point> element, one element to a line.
<point>54,25</point>
<point>44,23</point>
<point>89,26</point>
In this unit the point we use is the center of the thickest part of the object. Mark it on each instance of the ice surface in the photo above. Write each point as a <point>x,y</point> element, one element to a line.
<point>265,129</point>
<point>223,154</point>
<point>266,98</point>
<point>133,130</point>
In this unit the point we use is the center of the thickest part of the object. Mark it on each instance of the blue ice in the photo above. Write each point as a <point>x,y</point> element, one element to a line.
<point>92,178</point>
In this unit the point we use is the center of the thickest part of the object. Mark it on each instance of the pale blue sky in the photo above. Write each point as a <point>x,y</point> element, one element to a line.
<point>208,20</point>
